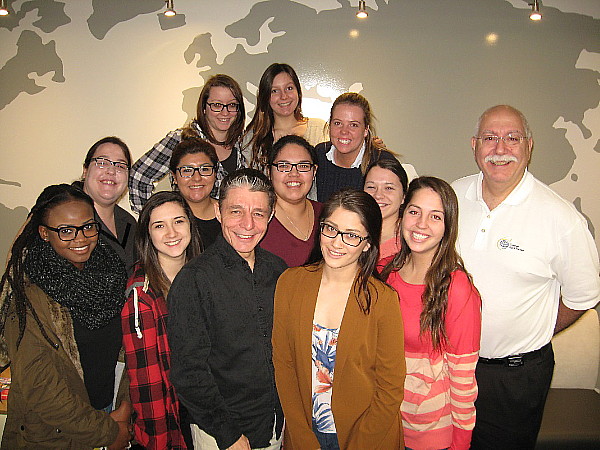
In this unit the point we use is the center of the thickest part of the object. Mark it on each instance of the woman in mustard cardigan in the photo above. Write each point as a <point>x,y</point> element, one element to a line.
<point>338,344</point>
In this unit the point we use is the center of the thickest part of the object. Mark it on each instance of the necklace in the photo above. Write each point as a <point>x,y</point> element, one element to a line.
<point>302,235</point>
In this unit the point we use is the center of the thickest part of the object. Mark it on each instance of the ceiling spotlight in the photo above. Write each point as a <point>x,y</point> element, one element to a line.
<point>4,8</point>
<point>362,10</point>
<point>535,10</point>
<point>170,11</point>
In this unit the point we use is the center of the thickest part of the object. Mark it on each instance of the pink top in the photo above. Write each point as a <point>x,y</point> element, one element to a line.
<point>438,410</point>
<point>288,247</point>
<point>389,247</point>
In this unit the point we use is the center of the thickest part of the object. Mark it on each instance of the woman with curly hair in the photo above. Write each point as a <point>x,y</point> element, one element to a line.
<point>62,294</point>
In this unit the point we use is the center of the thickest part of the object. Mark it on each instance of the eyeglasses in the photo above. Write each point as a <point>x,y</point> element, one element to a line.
<point>287,167</point>
<point>69,233</point>
<point>218,107</point>
<point>348,238</point>
<point>104,163</point>
<point>205,170</point>
<point>512,140</point>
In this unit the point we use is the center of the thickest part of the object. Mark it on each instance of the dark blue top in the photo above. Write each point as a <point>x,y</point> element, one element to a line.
<point>332,178</point>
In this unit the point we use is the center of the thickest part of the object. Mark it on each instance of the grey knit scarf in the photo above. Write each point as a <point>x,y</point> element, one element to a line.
<point>93,295</point>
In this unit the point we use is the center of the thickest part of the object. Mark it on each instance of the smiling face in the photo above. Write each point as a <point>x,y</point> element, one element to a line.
<point>107,185</point>
<point>244,216</point>
<point>502,166</point>
<point>197,188</point>
<point>284,95</point>
<point>423,224</point>
<point>385,187</point>
<point>293,186</point>
<point>347,131</point>
<point>336,253</point>
<point>73,213</point>
<point>169,231</point>
<point>219,122</point>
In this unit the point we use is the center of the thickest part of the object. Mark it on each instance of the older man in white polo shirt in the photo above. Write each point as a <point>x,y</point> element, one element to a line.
<point>536,266</point>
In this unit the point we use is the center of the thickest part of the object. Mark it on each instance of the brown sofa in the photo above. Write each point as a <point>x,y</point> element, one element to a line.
<point>572,413</point>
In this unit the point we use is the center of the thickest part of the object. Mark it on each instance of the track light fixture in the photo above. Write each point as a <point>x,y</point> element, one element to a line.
<point>170,11</point>
<point>4,8</point>
<point>535,10</point>
<point>362,10</point>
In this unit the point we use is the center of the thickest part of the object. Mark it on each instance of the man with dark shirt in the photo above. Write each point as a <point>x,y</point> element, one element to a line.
<point>220,321</point>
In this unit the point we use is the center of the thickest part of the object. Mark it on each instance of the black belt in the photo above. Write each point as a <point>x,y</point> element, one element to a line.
<point>515,360</point>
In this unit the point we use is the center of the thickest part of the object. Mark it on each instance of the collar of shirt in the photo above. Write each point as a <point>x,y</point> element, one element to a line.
<point>231,258</point>
<point>330,156</point>
<point>517,196</point>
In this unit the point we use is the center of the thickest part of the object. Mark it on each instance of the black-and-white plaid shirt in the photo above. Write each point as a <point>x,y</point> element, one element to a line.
<point>154,164</point>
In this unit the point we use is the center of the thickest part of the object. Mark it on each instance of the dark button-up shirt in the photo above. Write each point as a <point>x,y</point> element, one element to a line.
<point>219,329</point>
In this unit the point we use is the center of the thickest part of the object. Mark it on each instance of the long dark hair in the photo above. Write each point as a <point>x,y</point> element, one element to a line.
<point>143,243</point>
<point>261,125</point>
<point>445,260</point>
<point>368,211</point>
<point>237,127</point>
<point>13,281</point>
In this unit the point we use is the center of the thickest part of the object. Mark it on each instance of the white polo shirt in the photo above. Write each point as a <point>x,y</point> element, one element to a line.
<point>523,255</point>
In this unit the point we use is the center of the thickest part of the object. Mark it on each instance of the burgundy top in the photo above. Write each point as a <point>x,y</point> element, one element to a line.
<point>288,247</point>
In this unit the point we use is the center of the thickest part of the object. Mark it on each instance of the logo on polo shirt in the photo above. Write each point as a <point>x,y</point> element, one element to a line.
<point>505,244</point>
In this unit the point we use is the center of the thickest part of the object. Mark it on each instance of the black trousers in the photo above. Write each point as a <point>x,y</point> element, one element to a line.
<point>510,402</point>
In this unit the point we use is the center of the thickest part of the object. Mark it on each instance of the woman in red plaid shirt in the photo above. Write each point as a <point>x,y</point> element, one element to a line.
<point>166,238</point>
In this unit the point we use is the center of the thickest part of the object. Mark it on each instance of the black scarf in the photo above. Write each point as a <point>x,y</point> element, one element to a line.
<point>93,295</point>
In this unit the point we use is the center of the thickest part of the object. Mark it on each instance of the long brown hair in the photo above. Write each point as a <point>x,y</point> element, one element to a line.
<point>143,243</point>
<point>373,148</point>
<point>261,125</point>
<point>237,127</point>
<point>445,261</point>
<point>368,210</point>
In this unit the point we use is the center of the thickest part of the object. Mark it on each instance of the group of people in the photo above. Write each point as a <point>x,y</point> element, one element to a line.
<point>277,247</point>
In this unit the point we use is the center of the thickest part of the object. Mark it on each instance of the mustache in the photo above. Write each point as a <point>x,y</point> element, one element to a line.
<point>500,158</point>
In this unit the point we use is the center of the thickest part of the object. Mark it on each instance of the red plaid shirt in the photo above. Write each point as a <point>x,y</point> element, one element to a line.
<point>148,360</point>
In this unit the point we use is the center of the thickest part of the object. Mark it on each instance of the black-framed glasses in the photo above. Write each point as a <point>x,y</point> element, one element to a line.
<point>70,232</point>
<point>205,170</point>
<point>287,167</point>
<point>511,139</point>
<point>105,163</point>
<point>348,238</point>
<point>218,106</point>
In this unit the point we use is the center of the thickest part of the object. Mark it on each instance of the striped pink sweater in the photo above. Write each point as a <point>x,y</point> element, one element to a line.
<point>438,410</point>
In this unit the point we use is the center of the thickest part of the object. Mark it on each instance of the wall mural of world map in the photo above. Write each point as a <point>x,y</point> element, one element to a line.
<point>71,73</point>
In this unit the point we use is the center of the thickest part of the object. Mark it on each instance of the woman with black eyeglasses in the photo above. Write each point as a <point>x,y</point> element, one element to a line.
<point>338,346</point>
<point>291,233</point>
<point>62,294</point>
<point>105,172</point>
<point>194,170</point>
<point>220,116</point>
